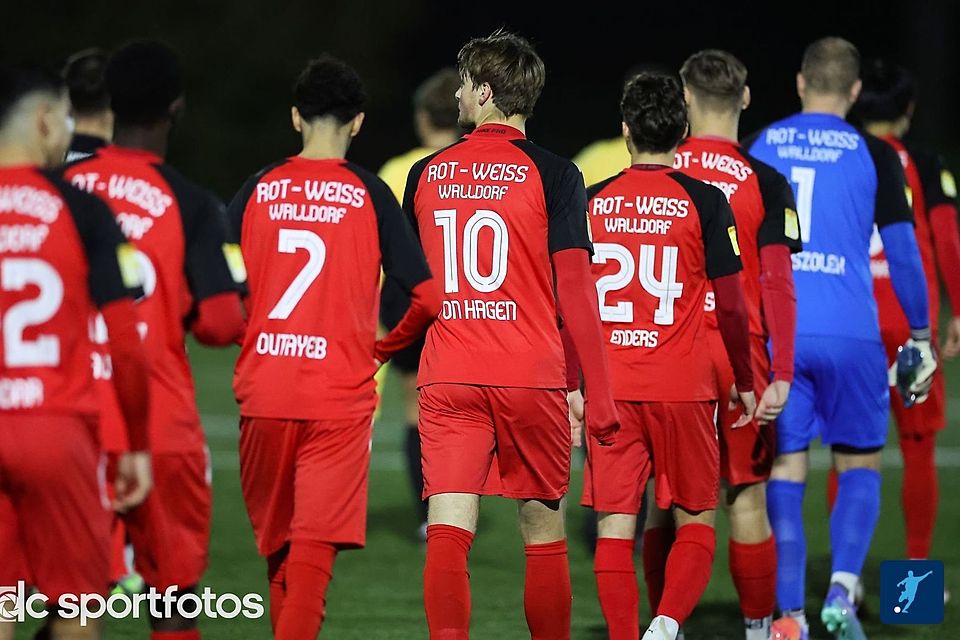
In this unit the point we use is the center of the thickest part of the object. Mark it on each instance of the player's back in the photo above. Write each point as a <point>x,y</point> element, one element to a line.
<point>178,232</point>
<point>761,202</point>
<point>309,232</point>
<point>659,236</point>
<point>45,298</point>
<point>490,210</point>
<point>839,176</point>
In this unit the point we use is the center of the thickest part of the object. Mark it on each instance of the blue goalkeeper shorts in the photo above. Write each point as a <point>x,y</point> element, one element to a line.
<point>839,393</point>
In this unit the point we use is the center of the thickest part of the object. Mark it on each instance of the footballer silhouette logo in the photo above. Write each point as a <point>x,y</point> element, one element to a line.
<point>911,592</point>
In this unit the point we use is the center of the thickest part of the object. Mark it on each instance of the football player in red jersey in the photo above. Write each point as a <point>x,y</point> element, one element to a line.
<point>661,238</point>
<point>315,231</point>
<point>504,222</point>
<point>61,257</point>
<point>886,106</point>
<point>179,233</point>
<point>768,230</point>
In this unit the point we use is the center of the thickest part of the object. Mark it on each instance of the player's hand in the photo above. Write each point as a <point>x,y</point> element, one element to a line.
<point>134,480</point>
<point>951,346</point>
<point>922,376</point>
<point>575,406</point>
<point>747,399</point>
<point>772,401</point>
<point>602,421</point>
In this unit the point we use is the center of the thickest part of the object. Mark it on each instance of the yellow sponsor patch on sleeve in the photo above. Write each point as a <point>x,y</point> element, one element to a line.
<point>732,232</point>
<point>791,224</point>
<point>129,266</point>
<point>948,184</point>
<point>589,228</point>
<point>907,191</point>
<point>234,257</point>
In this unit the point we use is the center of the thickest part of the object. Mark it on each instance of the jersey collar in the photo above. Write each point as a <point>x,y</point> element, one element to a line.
<point>650,167</point>
<point>497,130</point>
<point>130,153</point>
<point>715,140</point>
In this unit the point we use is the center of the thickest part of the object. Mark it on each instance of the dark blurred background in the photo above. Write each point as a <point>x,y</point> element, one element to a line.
<point>241,58</point>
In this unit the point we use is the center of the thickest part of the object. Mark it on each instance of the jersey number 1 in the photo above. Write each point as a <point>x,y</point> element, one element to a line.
<point>804,178</point>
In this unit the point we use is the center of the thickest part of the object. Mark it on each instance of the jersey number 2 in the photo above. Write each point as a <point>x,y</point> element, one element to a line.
<point>290,241</point>
<point>15,275</point>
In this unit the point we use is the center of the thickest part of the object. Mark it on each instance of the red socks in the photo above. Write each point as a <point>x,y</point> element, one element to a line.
<point>547,596</point>
<point>656,548</point>
<point>192,634</point>
<point>754,571</point>
<point>617,587</point>
<point>309,567</point>
<point>832,484</point>
<point>920,493</point>
<point>446,582</point>
<point>688,571</point>
<point>277,576</point>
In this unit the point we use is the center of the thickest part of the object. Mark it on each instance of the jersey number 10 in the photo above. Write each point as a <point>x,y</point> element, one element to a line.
<point>446,219</point>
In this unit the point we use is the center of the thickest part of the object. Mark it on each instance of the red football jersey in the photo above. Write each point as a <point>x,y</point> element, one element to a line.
<point>762,203</point>
<point>179,233</point>
<point>659,237</point>
<point>892,318</point>
<point>490,210</point>
<point>61,256</point>
<point>314,236</point>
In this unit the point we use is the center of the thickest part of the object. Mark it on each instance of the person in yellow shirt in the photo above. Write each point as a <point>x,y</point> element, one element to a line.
<point>602,159</point>
<point>435,119</point>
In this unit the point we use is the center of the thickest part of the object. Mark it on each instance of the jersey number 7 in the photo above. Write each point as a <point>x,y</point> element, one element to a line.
<point>290,241</point>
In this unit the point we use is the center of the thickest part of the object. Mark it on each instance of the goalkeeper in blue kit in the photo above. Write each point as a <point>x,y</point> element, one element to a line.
<point>845,182</point>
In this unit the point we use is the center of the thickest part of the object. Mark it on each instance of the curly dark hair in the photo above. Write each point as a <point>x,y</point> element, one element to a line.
<point>510,65</point>
<point>888,90</point>
<point>329,87</point>
<point>655,112</point>
<point>143,80</point>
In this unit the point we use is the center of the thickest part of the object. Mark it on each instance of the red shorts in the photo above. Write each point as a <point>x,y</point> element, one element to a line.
<point>675,442</point>
<point>306,480</point>
<point>920,419</point>
<point>507,441</point>
<point>170,531</point>
<point>747,453</point>
<point>54,512</point>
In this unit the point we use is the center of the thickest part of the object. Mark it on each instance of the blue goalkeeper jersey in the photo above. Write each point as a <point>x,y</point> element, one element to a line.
<point>845,181</point>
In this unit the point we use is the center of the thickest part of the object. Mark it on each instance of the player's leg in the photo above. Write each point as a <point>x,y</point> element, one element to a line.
<point>533,455</point>
<point>659,533</point>
<point>405,364</point>
<point>614,479</point>
<point>458,444</point>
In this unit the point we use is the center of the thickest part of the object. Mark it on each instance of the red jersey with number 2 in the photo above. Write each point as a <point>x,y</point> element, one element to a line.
<point>659,237</point>
<point>490,211</point>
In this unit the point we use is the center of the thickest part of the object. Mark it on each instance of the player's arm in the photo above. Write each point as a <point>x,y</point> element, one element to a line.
<point>777,238</point>
<point>940,192</point>
<point>722,255</point>
<point>404,264</point>
<point>570,250</point>
<point>894,219</point>
<point>114,283</point>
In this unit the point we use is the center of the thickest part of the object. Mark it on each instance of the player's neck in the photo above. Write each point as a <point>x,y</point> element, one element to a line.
<point>152,138</point>
<point>643,157</point>
<point>99,126</point>
<point>518,122</point>
<point>825,103</point>
<point>883,129</point>
<point>715,125</point>
<point>324,147</point>
<point>13,154</point>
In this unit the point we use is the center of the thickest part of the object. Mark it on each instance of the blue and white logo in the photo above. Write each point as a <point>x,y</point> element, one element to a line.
<point>911,592</point>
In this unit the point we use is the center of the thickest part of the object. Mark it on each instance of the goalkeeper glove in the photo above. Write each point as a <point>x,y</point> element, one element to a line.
<point>913,369</point>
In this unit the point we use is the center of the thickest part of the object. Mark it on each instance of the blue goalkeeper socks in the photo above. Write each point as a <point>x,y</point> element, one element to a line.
<point>854,519</point>
<point>785,508</point>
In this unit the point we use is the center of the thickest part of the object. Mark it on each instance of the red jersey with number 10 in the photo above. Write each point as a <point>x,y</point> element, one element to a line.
<point>659,236</point>
<point>490,210</point>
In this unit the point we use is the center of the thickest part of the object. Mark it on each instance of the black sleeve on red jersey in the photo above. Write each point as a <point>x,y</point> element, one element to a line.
<point>717,225</point>
<point>101,237</point>
<point>238,205</point>
<point>780,224</point>
<point>401,253</point>
<point>205,234</point>
<point>747,141</point>
<point>891,201</point>
<point>939,185</point>
<point>565,197</point>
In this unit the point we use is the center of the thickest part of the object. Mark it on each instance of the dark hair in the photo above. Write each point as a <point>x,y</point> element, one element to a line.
<point>655,112</point>
<point>436,97</point>
<point>85,75</point>
<point>831,65</point>
<point>888,91</point>
<point>329,87</point>
<point>143,79</point>
<point>19,81</point>
<point>509,65</point>
<point>716,77</point>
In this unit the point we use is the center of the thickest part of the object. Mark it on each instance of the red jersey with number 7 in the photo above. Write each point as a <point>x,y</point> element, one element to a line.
<point>490,210</point>
<point>314,236</point>
<point>659,237</point>
<point>61,256</point>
